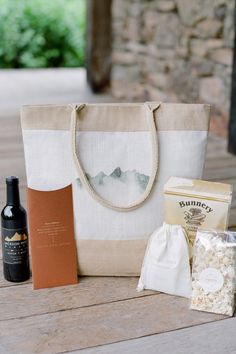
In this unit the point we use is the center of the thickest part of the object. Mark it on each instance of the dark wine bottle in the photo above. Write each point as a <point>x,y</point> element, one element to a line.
<point>15,248</point>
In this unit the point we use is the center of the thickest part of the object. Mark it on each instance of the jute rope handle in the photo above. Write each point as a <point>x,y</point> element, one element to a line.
<point>84,180</point>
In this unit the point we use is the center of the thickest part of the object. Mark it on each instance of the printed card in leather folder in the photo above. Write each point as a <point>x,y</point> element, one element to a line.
<point>52,242</point>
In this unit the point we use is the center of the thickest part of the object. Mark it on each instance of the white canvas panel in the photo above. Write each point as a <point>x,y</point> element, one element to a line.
<point>49,162</point>
<point>118,164</point>
<point>51,165</point>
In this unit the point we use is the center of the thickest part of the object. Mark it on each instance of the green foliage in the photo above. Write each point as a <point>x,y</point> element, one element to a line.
<point>42,33</point>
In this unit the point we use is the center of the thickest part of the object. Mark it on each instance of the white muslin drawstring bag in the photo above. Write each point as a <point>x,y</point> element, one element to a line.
<point>166,265</point>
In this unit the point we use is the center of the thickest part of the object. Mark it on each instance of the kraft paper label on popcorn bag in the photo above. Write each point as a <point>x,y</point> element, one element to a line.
<point>197,204</point>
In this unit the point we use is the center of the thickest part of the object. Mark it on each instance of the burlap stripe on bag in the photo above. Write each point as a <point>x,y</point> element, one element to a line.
<point>116,117</point>
<point>106,257</point>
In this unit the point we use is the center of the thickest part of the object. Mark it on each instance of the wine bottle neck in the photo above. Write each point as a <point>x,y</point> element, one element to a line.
<point>13,196</point>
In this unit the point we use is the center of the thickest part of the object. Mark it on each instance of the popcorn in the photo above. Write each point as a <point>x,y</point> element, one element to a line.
<point>214,272</point>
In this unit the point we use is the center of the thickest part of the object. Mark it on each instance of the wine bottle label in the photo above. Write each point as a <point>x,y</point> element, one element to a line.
<point>15,245</point>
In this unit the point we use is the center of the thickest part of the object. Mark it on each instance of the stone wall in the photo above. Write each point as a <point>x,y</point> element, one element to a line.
<point>174,50</point>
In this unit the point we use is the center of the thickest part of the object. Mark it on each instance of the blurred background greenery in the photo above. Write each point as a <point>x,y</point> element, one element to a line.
<point>42,33</point>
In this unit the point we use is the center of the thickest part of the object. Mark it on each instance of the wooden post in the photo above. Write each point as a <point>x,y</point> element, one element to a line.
<point>98,56</point>
<point>232,122</point>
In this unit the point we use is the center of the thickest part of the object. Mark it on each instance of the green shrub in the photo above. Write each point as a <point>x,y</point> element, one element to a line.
<point>42,33</point>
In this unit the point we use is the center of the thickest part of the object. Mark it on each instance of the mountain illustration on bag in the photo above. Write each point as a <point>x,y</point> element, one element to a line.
<point>128,178</point>
<point>16,237</point>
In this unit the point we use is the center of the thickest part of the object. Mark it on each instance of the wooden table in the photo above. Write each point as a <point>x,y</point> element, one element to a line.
<point>107,315</point>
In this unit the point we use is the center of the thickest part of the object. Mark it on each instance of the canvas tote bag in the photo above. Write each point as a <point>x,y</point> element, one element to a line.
<point>117,158</point>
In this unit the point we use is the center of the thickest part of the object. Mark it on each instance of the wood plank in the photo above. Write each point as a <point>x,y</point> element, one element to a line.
<point>213,162</point>
<point>216,139</point>
<point>218,173</point>
<point>221,152</point>
<point>232,219</point>
<point>98,325</point>
<point>211,338</point>
<point>220,148</point>
<point>90,291</point>
<point>233,204</point>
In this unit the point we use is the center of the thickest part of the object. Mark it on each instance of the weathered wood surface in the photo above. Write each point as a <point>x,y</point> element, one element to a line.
<point>97,325</point>
<point>217,337</point>
<point>101,311</point>
<point>90,291</point>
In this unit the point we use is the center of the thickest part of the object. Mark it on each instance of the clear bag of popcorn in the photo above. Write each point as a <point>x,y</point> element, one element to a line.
<point>214,272</point>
